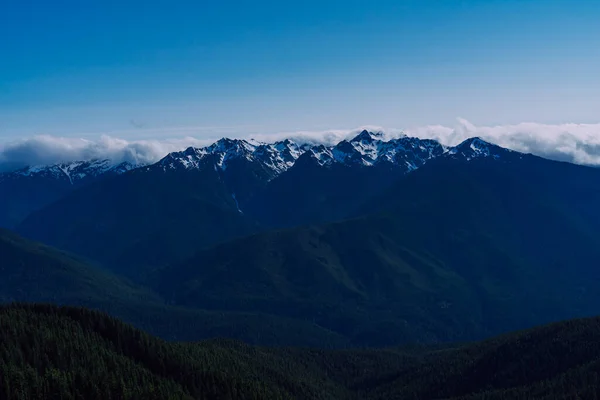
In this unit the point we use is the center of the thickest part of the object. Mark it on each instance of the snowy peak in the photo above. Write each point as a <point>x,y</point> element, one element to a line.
<point>276,157</point>
<point>73,172</point>
<point>230,146</point>
<point>368,137</point>
<point>220,152</point>
<point>370,149</point>
<point>364,150</point>
<point>188,159</point>
<point>477,148</point>
<point>322,154</point>
<point>279,156</point>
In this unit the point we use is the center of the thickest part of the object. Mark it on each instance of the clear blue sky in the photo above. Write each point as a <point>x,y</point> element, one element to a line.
<point>75,68</point>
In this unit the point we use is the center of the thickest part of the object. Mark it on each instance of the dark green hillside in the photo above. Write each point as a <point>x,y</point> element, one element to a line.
<point>31,271</point>
<point>141,219</point>
<point>353,280</point>
<point>52,352</point>
<point>36,273</point>
<point>456,251</point>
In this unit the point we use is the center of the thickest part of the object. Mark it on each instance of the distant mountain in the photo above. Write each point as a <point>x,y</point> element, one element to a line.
<point>366,149</point>
<point>72,172</point>
<point>459,249</point>
<point>376,247</point>
<point>246,169</point>
<point>28,189</point>
<point>76,353</point>
<point>162,213</point>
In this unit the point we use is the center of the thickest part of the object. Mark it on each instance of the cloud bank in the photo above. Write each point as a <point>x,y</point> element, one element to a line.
<point>43,150</point>
<point>576,143</point>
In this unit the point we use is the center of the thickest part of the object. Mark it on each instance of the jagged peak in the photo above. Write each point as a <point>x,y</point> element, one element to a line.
<point>476,141</point>
<point>226,144</point>
<point>366,135</point>
<point>286,142</point>
<point>476,147</point>
<point>367,149</point>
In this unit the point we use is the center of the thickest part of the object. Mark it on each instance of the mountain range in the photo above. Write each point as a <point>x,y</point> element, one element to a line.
<point>152,214</point>
<point>371,242</point>
<point>28,189</point>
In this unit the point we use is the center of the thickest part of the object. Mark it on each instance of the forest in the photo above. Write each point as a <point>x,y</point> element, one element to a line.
<point>54,352</point>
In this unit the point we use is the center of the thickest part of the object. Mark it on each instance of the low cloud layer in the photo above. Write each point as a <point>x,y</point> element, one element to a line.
<point>42,150</point>
<point>577,143</point>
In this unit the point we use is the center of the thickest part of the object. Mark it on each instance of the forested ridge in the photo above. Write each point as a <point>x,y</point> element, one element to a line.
<point>48,351</point>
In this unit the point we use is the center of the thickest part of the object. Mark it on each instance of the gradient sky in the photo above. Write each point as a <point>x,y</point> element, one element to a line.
<point>158,68</point>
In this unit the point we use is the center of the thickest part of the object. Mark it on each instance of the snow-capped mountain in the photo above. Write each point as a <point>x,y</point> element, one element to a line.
<point>477,148</point>
<point>72,172</point>
<point>365,150</point>
<point>369,149</point>
<point>276,157</point>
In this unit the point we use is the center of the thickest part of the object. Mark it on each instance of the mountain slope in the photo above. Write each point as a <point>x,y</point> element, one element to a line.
<point>74,353</point>
<point>141,219</point>
<point>325,184</point>
<point>28,189</point>
<point>454,251</point>
<point>160,214</point>
<point>36,273</point>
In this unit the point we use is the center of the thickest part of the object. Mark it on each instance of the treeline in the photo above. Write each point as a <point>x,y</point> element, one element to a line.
<point>50,352</point>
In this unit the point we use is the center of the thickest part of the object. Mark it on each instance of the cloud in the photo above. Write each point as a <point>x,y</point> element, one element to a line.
<point>45,149</point>
<point>577,143</point>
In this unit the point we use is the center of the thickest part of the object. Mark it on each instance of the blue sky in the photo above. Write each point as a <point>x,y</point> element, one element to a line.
<point>158,68</point>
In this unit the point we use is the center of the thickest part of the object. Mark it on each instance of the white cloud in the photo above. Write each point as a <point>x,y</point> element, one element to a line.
<point>578,143</point>
<point>45,149</point>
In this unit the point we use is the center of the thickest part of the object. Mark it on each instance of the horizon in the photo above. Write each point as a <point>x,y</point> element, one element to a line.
<point>574,143</point>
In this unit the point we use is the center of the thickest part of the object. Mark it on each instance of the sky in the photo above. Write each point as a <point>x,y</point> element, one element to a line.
<point>168,70</point>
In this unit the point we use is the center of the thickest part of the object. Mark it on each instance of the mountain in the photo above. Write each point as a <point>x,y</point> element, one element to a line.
<point>145,217</point>
<point>366,149</point>
<point>158,214</point>
<point>326,184</point>
<point>34,272</point>
<point>459,249</point>
<point>28,189</point>
<point>76,353</point>
<point>432,244</point>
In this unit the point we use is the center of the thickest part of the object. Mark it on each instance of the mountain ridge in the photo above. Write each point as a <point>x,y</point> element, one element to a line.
<point>199,197</point>
<point>366,147</point>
